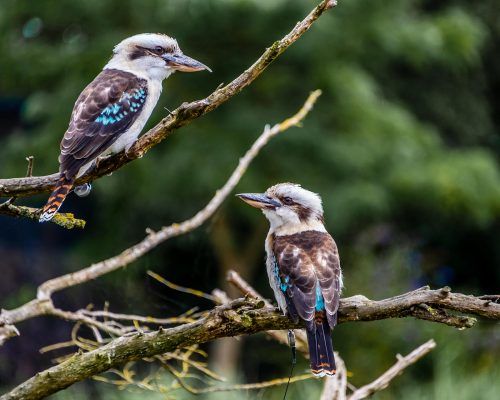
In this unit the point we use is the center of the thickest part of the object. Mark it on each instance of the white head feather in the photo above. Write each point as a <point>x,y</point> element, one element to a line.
<point>305,211</point>
<point>151,56</point>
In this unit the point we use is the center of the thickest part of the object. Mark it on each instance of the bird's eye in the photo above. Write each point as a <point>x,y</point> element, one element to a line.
<point>159,50</point>
<point>288,200</point>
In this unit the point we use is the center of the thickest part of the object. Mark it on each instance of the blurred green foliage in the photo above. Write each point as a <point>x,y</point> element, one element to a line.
<point>403,146</point>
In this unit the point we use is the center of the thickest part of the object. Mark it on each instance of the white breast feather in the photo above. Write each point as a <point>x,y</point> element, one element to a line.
<point>273,281</point>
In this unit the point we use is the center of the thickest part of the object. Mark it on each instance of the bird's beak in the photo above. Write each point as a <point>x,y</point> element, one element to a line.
<point>259,200</point>
<point>180,62</point>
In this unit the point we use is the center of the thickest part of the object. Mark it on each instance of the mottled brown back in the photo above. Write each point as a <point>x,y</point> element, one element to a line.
<point>104,110</point>
<point>305,258</point>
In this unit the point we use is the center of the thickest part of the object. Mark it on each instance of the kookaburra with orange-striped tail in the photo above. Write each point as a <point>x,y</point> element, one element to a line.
<point>111,112</point>
<point>303,265</point>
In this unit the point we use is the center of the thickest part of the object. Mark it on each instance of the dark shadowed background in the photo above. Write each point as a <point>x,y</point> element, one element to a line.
<point>403,146</point>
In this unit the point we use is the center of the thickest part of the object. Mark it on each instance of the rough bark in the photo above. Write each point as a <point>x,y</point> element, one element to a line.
<point>246,316</point>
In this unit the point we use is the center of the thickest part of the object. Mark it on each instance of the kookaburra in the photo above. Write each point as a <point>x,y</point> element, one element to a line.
<point>303,265</point>
<point>112,110</point>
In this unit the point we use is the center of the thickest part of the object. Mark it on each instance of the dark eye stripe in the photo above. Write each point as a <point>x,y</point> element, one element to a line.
<point>138,52</point>
<point>287,200</point>
<point>141,51</point>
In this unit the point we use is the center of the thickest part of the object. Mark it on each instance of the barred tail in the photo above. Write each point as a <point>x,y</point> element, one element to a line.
<point>321,348</point>
<point>63,187</point>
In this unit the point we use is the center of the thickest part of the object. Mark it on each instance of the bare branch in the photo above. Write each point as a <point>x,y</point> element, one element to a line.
<point>397,369</point>
<point>241,316</point>
<point>247,386</point>
<point>138,318</point>
<point>42,305</point>
<point>436,301</point>
<point>31,162</point>
<point>227,320</point>
<point>181,116</point>
<point>335,387</point>
<point>423,303</point>
<point>171,285</point>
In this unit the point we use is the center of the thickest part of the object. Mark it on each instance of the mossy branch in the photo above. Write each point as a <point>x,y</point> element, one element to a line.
<point>241,316</point>
<point>65,220</point>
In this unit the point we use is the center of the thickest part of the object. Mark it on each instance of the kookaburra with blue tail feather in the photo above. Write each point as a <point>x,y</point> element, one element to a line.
<point>111,112</point>
<point>303,265</point>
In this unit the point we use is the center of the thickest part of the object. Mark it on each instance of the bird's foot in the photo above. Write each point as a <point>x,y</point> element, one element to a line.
<point>170,113</point>
<point>99,160</point>
<point>293,317</point>
<point>83,190</point>
<point>132,155</point>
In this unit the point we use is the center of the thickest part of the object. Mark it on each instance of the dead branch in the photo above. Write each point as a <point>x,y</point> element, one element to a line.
<point>228,320</point>
<point>397,369</point>
<point>43,305</point>
<point>241,316</point>
<point>423,303</point>
<point>335,387</point>
<point>137,318</point>
<point>187,112</point>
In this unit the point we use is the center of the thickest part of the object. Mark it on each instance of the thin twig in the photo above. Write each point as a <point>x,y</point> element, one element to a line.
<point>31,161</point>
<point>335,387</point>
<point>179,288</point>
<point>397,369</point>
<point>138,318</point>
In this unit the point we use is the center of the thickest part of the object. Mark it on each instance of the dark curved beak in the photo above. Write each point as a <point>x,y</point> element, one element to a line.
<point>259,200</point>
<point>183,63</point>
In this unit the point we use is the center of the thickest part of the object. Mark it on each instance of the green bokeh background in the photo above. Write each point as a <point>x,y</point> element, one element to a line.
<point>403,146</point>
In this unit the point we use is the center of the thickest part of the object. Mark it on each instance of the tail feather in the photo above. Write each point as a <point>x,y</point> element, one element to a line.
<point>321,348</point>
<point>63,187</point>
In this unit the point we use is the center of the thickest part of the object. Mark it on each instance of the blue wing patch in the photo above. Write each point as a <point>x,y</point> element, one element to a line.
<point>320,302</point>
<point>129,102</point>
<point>283,283</point>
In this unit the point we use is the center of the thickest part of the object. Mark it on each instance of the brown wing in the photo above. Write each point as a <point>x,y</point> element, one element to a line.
<point>309,272</point>
<point>329,277</point>
<point>107,107</point>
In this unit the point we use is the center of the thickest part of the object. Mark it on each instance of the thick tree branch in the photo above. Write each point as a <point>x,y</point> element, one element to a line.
<point>241,316</point>
<point>423,303</point>
<point>43,305</point>
<point>181,116</point>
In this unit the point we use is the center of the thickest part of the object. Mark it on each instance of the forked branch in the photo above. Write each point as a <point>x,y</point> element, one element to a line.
<point>241,316</point>
<point>385,379</point>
